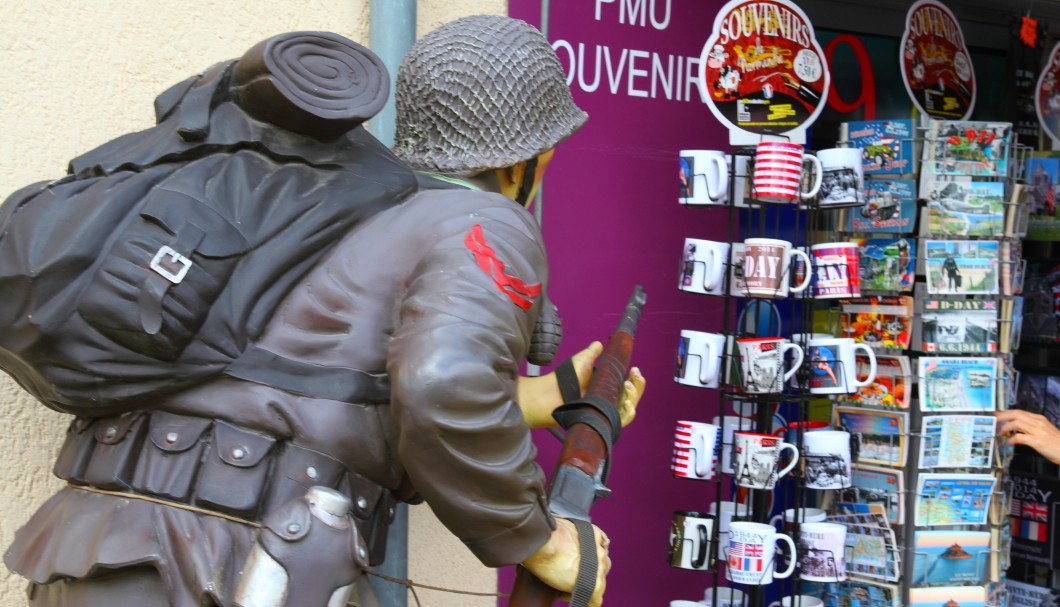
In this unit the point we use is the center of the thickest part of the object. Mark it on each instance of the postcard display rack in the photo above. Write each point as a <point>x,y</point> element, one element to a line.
<point>941,268</point>
<point>925,504</point>
<point>763,391</point>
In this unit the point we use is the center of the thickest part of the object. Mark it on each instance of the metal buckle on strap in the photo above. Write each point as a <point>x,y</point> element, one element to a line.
<point>174,258</point>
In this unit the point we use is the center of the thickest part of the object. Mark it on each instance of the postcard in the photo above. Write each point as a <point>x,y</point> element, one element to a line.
<point>886,145</point>
<point>950,557</point>
<point>953,499</point>
<point>965,147</point>
<point>967,267</point>
<point>959,326</point>
<point>879,436</point>
<point>950,383</point>
<point>958,209</point>
<point>957,441</point>
<point>861,593</point>
<point>887,264</point>
<point>948,596</point>
<point>890,207</point>
<point>878,322</point>
<point>892,388</point>
<point>871,546</point>
<point>1029,595</point>
<point>880,489</point>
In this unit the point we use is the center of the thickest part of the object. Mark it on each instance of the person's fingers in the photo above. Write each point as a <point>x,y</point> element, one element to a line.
<point>632,391</point>
<point>583,362</point>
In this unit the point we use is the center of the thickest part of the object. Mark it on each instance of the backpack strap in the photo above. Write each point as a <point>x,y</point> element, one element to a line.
<point>307,379</point>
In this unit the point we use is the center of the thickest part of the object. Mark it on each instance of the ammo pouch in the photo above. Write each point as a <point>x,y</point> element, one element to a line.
<point>216,466</point>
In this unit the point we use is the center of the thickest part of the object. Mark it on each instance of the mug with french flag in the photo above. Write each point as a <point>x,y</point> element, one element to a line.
<point>752,553</point>
<point>778,172</point>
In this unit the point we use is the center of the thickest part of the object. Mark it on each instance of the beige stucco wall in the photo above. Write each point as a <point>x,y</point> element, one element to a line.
<point>76,73</point>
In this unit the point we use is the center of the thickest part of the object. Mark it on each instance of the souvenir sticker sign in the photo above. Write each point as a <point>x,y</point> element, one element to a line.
<point>936,67</point>
<point>762,71</point>
<point>1047,94</point>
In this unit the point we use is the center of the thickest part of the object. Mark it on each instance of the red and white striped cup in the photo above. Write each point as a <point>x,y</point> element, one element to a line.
<point>778,172</point>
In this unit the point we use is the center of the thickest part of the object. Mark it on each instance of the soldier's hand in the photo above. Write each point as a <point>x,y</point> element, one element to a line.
<point>540,396</point>
<point>556,563</point>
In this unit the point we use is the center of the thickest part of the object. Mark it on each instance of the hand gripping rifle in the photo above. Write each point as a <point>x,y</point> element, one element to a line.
<point>593,425</point>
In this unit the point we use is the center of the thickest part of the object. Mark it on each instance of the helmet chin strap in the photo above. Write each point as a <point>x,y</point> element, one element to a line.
<point>526,184</point>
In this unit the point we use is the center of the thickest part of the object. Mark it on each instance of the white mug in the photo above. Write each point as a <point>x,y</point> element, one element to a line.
<point>752,552</point>
<point>695,450</point>
<point>799,600</point>
<point>691,535</point>
<point>794,517</point>
<point>763,361</point>
<point>740,168</point>
<point>727,597</point>
<point>730,424</point>
<point>842,177</point>
<point>837,270</point>
<point>802,376</point>
<point>826,456</point>
<point>822,552</point>
<point>833,365</point>
<point>704,177</point>
<point>737,285</point>
<point>726,512</point>
<point>699,359</point>
<point>778,172</point>
<point>703,265</point>
<point>767,268</point>
<point>756,457</point>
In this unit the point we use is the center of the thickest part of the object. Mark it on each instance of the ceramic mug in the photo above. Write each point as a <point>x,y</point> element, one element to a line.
<point>730,424</point>
<point>737,285</point>
<point>767,267</point>
<point>802,377</point>
<point>794,517</point>
<point>756,457</point>
<point>763,361</point>
<point>726,512</point>
<point>695,450</point>
<point>842,177</point>
<point>822,552</point>
<point>833,365</point>
<point>752,552</point>
<point>699,359</point>
<point>726,597</point>
<point>799,600</point>
<point>837,270</point>
<point>826,456</point>
<point>778,172</point>
<point>740,168</point>
<point>704,177</point>
<point>703,266</point>
<point>690,540</point>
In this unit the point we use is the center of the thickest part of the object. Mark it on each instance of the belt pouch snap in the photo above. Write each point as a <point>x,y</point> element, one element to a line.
<point>234,471</point>
<point>171,455</point>
<point>118,441</point>
<point>297,470</point>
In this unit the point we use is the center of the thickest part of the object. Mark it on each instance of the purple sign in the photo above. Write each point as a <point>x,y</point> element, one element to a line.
<point>611,220</point>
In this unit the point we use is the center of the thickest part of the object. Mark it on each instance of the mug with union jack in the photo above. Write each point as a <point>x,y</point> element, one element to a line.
<point>751,557</point>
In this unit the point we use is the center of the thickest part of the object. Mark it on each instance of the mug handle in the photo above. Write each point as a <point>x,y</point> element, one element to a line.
<point>710,281</point>
<point>712,355</point>
<point>700,557</point>
<point>872,366</point>
<point>723,179</point>
<point>799,355</point>
<point>791,562</point>
<point>791,464</point>
<point>701,456</point>
<point>809,268</point>
<point>818,177</point>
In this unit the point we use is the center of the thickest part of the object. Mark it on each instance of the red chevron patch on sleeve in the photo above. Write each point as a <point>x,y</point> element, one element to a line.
<point>518,291</point>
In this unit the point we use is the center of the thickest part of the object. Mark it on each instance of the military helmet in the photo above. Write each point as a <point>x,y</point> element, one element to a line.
<point>481,93</point>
